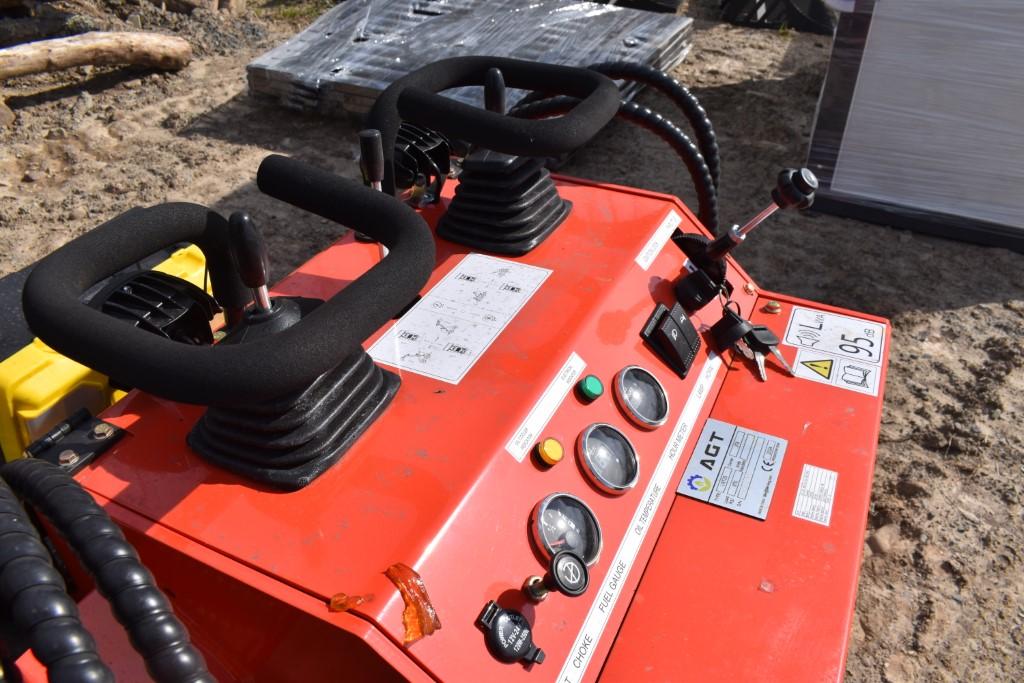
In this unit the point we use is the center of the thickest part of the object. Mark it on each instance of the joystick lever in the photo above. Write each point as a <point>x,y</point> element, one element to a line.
<point>494,91</point>
<point>794,190</point>
<point>371,157</point>
<point>249,253</point>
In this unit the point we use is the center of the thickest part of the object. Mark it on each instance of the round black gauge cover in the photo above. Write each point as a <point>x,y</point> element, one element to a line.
<point>564,522</point>
<point>641,397</point>
<point>608,458</point>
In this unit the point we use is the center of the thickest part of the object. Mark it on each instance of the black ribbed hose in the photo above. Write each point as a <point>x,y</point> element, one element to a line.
<point>120,577</point>
<point>33,596</point>
<point>688,104</point>
<point>707,198</point>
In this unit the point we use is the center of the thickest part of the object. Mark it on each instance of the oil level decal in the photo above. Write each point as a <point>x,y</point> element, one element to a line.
<point>734,468</point>
<point>837,349</point>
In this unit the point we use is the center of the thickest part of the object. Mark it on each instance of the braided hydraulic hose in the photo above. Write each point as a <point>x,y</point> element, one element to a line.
<point>120,577</point>
<point>33,596</point>
<point>703,131</point>
<point>707,199</point>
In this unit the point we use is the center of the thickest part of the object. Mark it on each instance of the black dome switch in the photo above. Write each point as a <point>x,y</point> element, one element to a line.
<point>508,635</point>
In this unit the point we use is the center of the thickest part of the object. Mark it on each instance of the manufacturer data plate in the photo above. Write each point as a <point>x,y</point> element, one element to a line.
<point>734,468</point>
<point>450,328</point>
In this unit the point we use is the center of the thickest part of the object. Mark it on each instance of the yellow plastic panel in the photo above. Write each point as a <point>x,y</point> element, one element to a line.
<point>39,388</point>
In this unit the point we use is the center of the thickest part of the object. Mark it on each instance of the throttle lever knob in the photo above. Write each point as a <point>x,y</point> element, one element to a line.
<point>249,253</point>
<point>795,188</point>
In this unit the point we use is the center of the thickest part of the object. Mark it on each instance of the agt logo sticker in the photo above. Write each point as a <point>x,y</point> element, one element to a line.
<point>699,483</point>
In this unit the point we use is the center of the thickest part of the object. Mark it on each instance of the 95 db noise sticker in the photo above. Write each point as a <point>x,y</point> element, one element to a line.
<point>836,349</point>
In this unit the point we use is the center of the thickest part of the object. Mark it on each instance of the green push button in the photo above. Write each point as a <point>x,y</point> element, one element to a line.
<point>590,387</point>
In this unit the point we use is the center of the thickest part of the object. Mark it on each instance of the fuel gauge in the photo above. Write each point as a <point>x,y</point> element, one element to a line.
<point>564,522</point>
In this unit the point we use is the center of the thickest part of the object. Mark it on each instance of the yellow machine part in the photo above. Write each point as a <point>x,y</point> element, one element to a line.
<point>39,388</point>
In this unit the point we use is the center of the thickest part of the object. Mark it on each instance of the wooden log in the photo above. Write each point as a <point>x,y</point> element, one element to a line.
<point>98,48</point>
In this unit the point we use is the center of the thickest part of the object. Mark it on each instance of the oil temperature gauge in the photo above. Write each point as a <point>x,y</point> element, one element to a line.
<point>564,522</point>
<point>607,458</point>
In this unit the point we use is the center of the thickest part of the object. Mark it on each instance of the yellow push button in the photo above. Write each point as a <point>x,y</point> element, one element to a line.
<point>550,451</point>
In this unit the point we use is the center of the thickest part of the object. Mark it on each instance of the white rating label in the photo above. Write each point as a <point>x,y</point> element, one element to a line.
<point>835,349</point>
<point>815,495</point>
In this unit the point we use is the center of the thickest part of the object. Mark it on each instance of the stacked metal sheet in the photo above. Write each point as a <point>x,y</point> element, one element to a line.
<point>352,52</point>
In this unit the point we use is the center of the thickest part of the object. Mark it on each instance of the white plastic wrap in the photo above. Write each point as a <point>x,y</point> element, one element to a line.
<point>921,120</point>
<point>352,52</point>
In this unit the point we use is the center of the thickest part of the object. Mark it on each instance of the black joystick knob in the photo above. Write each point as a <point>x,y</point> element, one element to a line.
<point>567,575</point>
<point>494,91</point>
<point>249,253</point>
<point>795,188</point>
<point>371,157</point>
<point>508,635</point>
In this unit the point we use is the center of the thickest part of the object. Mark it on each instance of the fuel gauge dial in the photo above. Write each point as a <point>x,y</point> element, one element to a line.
<point>564,522</point>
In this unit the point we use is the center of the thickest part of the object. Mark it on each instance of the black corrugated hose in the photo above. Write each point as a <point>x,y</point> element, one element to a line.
<point>120,577</point>
<point>707,197</point>
<point>34,600</point>
<point>703,131</point>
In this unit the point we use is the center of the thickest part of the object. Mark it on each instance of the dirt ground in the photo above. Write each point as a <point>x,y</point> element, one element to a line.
<point>942,587</point>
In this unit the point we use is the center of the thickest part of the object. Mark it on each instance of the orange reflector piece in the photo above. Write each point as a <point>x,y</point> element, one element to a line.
<point>419,618</point>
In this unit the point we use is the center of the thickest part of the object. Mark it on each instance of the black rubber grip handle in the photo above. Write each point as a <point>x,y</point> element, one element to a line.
<point>258,370</point>
<point>413,98</point>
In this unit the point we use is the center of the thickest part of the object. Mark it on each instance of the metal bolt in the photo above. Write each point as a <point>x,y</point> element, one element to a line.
<point>68,457</point>
<point>102,431</point>
<point>750,288</point>
<point>773,307</point>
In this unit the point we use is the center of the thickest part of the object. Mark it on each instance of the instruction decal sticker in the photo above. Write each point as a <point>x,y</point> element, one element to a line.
<point>451,327</point>
<point>815,495</point>
<point>835,349</point>
<point>734,468</point>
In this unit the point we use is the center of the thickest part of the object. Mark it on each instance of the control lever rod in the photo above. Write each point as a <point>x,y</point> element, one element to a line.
<point>249,253</point>
<point>794,190</point>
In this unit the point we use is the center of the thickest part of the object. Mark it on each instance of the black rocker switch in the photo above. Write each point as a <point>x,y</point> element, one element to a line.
<point>567,575</point>
<point>508,635</point>
<point>673,337</point>
<point>249,252</point>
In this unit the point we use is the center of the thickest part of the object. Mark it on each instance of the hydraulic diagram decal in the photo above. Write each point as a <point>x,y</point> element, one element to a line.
<point>837,349</point>
<point>734,468</point>
<point>450,328</point>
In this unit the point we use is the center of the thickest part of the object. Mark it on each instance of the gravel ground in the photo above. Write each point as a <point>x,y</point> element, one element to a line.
<point>942,588</point>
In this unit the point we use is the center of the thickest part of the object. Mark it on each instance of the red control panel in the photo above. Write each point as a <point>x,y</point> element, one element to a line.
<point>726,547</point>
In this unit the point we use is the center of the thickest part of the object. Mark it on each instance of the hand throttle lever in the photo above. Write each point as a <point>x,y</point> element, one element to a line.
<point>794,190</point>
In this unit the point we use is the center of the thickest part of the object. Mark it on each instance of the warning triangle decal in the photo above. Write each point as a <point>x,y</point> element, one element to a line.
<point>821,367</point>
